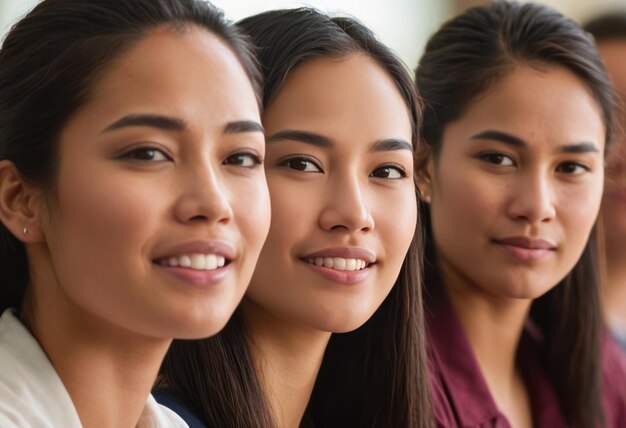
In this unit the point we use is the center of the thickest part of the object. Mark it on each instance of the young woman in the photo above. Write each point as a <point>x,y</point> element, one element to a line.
<point>132,199</point>
<point>609,31</point>
<point>341,127</point>
<point>519,110</point>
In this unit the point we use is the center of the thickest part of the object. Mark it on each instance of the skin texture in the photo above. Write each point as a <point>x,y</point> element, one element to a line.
<point>483,190</point>
<point>126,196</point>
<point>613,211</point>
<point>328,196</point>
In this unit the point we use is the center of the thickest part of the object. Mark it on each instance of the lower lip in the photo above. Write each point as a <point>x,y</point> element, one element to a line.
<point>525,254</point>
<point>346,277</point>
<point>197,277</point>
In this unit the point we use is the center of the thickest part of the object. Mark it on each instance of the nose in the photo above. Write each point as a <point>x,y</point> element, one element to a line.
<point>346,207</point>
<point>533,200</point>
<point>203,197</point>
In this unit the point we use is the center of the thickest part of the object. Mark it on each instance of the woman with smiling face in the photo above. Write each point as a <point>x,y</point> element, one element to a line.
<point>519,111</point>
<point>132,199</point>
<point>340,122</point>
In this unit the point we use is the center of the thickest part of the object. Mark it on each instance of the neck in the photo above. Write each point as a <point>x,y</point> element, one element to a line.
<point>615,288</point>
<point>107,371</point>
<point>493,326</point>
<point>288,358</point>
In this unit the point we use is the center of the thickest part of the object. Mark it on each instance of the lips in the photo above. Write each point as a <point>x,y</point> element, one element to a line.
<point>526,249</point>
<point>198,255</point>
<point>341,265</point>
<point>527,243</point>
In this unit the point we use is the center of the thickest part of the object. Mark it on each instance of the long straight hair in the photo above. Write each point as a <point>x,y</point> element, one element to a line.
<point>373,377</point>
<point>465,58</point>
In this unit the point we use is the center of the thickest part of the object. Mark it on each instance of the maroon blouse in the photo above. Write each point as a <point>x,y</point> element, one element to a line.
<point>460,393</point>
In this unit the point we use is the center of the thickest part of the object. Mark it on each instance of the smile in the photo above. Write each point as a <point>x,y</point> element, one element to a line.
<point>338,263</point>
<point>195,261</point>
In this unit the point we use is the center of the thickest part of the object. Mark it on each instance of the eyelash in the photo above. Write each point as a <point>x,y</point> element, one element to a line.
<point>134,155</point>
<point>585,168</point>
<point>489,157</point>
<point>235,159</point>
<point>401,171</point>
<point>289,163</point>
<point>256,160</point>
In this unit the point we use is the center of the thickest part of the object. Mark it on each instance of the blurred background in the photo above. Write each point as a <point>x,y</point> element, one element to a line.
<point>404,25</point>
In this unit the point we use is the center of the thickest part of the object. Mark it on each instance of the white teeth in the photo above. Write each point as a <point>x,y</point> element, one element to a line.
<point>338,263</point>
<point>196,261</point>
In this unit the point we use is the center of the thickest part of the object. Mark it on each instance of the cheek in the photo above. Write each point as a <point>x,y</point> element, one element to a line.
<point>105,212</point>
<point>250,203</point>
<point>295,211</point>
<point>579,207</point>
<point>465,203</point>
<point>395,219</point>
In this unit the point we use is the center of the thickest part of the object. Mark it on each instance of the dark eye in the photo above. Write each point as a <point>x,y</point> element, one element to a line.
<point>573,168</point>
<point>244,160</point>
<point>146,154</point>
<point>300,164</point>
<point>497,159</point>
<point>388,172</point>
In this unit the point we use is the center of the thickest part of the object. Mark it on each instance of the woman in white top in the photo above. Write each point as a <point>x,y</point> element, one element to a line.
<point>133,202</point>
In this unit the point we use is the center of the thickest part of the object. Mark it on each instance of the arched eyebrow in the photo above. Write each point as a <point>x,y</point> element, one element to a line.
<point>502,137</point>
<point>165,123</point>
<point>168,123</point>
<point>389,144</point>
<point>302,137</point>
<point>241,126</point>
<point>512,140</point>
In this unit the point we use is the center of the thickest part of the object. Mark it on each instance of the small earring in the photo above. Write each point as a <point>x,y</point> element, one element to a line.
<point>426,198</point>
<point>25,230</point>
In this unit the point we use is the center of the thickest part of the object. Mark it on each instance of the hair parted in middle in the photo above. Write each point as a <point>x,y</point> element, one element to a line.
<point>465,58</point>
<point>375,376</point>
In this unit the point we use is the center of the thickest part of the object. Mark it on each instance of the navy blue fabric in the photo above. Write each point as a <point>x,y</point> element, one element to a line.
<point>173,403</point>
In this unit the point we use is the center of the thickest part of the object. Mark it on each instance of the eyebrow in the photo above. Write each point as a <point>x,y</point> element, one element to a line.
<point>512,140</point>
<point>151,120</point>
<point>243,126</point>
<point>390,144</point>
<point>302,137</point>
<point>503,137</point>
<point>173,124</point>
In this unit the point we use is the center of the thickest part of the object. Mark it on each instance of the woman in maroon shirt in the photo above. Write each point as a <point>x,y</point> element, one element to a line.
<point>519,111</point>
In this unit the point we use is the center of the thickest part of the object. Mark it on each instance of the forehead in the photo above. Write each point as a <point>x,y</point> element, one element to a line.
<point>342,97</point>
<point>179,71</point>
<point>546,106</point>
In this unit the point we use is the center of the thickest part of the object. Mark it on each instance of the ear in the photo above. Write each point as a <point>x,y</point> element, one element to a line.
<point>20,204</point>
<point>424,173</point>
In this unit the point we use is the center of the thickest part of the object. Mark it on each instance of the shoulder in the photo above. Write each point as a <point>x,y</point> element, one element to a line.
<point>175,405</point>
<point>31,392</point>
<point>613,382</point>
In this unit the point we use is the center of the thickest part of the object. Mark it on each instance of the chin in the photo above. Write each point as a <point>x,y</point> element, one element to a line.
<point>343,324</point>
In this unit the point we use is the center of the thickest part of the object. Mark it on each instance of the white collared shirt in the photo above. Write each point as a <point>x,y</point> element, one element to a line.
<point>32,394</point>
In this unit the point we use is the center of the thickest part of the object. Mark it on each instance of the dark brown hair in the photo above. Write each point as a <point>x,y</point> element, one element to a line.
<point>49,64</point>
<point>466,57</point>
<point>372,377</point>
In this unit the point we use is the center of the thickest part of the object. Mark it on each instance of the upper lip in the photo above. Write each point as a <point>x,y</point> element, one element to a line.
<point>217,247</point>
<point>344,252</point>
<point>526,242</point>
